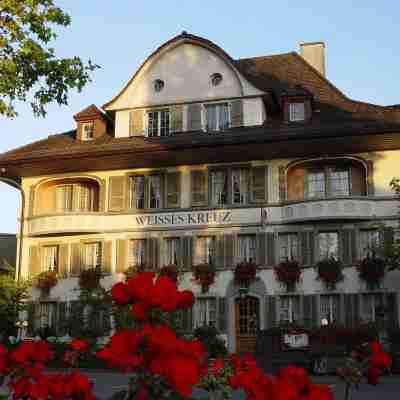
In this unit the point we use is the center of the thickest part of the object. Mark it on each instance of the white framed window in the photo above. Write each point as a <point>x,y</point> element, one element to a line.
<point>247,248</point>
<point>217,117</point>
<point>205,312</point>
<point>204,250</point>
<point>136,252</point>
<point>240,186</point>
<point>297,112</point>
<point>158,123</point>
<point>328,245</point>
<point>50,258</point>
<point>92,255</point>
<point>329,308</point>
<point>369,240</point>
<point>288,246</point>
<point>316,184</point>
<point>172,251</point>
<point>219,188</point>
<point>372,307</point>
<point>137,192</point>
<point>87,130</point>
<point>339,182</point>
<point>289,309</point>
<point>64,198</point>
<point>155,192</point>
<point>86,197</point>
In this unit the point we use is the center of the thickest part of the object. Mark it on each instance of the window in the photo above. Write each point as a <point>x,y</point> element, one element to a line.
<point>240,186</point>
<point>205,312</point>
<point>47,314</point>
<point>219,188</point>
<point>329,308</point>
<point>217,117</point>
<point>137,192</point>
<point>155,191</point>
<point>315,184</point>
<point>158,85</point>
<point>172,251</point>
<point>288,246</point>
<point>92,255</point>
<point>86,198</point>
<point>289,311</point>
<point>146,192</point>
<point>158,123</point>
<point>328,245</point>
<point>216,79</point>
<point>50,258</point>
<point>64,198</point>
<point>339,182</point>
<point>369,240</point>
<point>247,248</point>
<point>373,307</point>
<point>204,250</point>
<point>136,252</point>
<point>87,130</point>
<point>296,112</point>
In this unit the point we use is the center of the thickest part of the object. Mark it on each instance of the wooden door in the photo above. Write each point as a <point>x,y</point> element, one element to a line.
<point>247,317</point>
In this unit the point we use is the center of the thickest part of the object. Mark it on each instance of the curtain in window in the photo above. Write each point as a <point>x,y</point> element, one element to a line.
<point>204,250</point>
<point>155,192</point>
<point>138,192</point>
<point>136,252</point>
<point>239,186</point>
<point>211,113</point>
<point>219,187</point>
<point>247,248</point>
<point>63,198</point>
<point>172,251</point>
<point>50,258</point>
<point>205,312</point>
<point>328,245</point>
<point>93,255</point>
<point>223,116</point>
<point>369,240</point>
<point>315,184</point>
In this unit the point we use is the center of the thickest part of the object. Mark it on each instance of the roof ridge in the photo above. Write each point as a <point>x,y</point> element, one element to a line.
<point>266,56</point>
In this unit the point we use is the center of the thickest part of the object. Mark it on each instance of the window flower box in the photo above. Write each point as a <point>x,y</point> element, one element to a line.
<point>371,270</point>
<point>330,272</point>
<point>171,271</point>
<point>245,273</point>
<point>45,281</point>
<point>288,273</point>
<point>204,275</point>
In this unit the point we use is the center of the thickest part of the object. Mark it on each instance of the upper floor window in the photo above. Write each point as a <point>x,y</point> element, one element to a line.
<point>369,240</point>
<point>328,245</point>
<point>329,308</point>
<point>217,117</point>
<point>75,197</point>
<point>247,248</point>
<point>172,251</point>
<point>240,186</point>
<point>339,182</point>
<point>288,246</point>
<point>315,184</point>
<point>92,255</point>
<point>146,192</point>
<point>64,198</point>
<point>297,112</point>
<point>205,312</point>
<point>289,310</point>
<point>158,123</point>
<point>219,188</point>
<point>50,258</point>
<point>328,182</point>
<point>373,309</point>
<point>136,252</point>
<point>87,130</point>
<point>204,250</point>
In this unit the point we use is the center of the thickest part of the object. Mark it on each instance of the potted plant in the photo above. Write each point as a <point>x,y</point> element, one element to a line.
<point>245,273</point>
<point>330,271</point>
<point>288,273</point>
<point>371,269</point>
<point>45,281</point>
<point>171,271</point>
<point>89,279</point>
<point>204,275</point>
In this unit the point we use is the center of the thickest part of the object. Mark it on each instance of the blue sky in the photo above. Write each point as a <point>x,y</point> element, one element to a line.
<point>361,40</point>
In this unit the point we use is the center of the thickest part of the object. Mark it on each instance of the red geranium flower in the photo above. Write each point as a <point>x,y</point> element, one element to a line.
<point>139,311</point>
<point>79,345</point>
<point>164,294</point>
<point>373,375</point>
<point>185,299</point>
<point>140,285</point>
<point>120,293</point>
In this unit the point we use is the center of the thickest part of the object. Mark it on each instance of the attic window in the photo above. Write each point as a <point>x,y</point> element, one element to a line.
<point>158,85</point>
<point>297,112</point>
<point>87,130</point>
<point>216,79</point>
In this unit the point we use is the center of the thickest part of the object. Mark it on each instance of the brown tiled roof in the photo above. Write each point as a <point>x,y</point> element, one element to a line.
<point>89,112</point>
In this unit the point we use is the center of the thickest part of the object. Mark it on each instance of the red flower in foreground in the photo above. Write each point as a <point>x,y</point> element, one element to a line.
<point>79,345</point>
<point>373,375</point>
<point>185,299</point>
<point>380,360</point>
<point>120,293</point>
<point>139,311</point>
<point>218,366</point>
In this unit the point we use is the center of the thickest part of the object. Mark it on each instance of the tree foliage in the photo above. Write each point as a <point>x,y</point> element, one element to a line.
<point>29,67</point>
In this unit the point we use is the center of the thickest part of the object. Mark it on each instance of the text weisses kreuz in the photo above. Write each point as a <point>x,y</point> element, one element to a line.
<point>192,218</point>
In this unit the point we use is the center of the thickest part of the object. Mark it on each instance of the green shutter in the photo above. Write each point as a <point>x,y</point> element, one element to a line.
<point>62,321</point>
<point>391,317</point>
<point>122,255</point>
<point>194,117</point>
<point>106,266</point>
<point>31,310</point>
<point>173,189</point>
<point>76,258</point>
<point>310,311</point>
<point>136,126</point>
<point>261,249</point>
<point>219,251</point>
<point>187,320</point>
<point>271,259</point>
<point>270,310</point>
<point>187,252</point>
<point>352,307</point>
<point>259,184</point>
<point>63,261</point>
<point>117,193</point>
<point>236,113</point>
<point>199,188</point>
<point>282,183</point>
<point>230,250</point>
<point>34,261</point>
<point>176,113</point>
<point>222,314</point>
<point>307,243</point>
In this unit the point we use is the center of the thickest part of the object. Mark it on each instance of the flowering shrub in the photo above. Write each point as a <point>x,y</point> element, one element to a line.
<point>171,271</point>
<point>371,269</point>
<point>245,273</point>
<point>204,275</point>
<point>45,281</point>
<point>330,271</point>
<point>89,279</point>
<point>288,273</point>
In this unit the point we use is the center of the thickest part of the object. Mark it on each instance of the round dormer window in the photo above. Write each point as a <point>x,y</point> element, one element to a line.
<point>158,85</point>
<point>216,79</point>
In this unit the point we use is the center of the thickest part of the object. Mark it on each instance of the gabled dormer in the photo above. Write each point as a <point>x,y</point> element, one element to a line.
<point>296,104</point>
<point>91,123</point>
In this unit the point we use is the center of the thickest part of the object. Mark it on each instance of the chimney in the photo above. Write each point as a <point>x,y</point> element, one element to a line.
<point>314,54</point>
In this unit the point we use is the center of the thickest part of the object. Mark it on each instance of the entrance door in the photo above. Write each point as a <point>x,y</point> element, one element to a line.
<point>247,316</point>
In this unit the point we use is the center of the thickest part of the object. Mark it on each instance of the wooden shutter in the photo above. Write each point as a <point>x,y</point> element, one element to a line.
<point>370,178</point>
<point>152,253</point>
<point>187,252</point>
<point>176,113</point>
<point>173,189</point>
<point>261,249</point>
<point>63,261</point>
<point>62,320</point>
<point>391,317</point>
<point>236,113</point>
<point>31,211</point>
<point>136,126</point>
<point>222,314</point>
<point>122,247</point>
<point>187,320</point>
<point>348,244</point>
<point>35,261</point>
<point>31,310</point>
<point>270,312</point>
<point>282,184</point>
<point>219,251</point>
<point>230,250</point>
<point>76,258</point>
<point>307,244</point>
<point>352,307</point>
<point>259,184</point>
<point>107,257</point>
<point>270,248</point>
<point>117,193</point>
<point>310,311</point>
<point>194,117</point>
<point>199,187</point>
<point>357,181</point>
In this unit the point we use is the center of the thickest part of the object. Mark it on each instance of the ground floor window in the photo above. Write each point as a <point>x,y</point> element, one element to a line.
<point>50,258</point>
<point>92,254</point>
<point>136,252</point>
<point>247,248</point>
<point>328,245</point>
<point>329,309</point>
<point>172,251</point>
<point>373,307</point>
<point>205,312</point>
<point>204,250</point>
<point>369,240</point>
<point>288,246</point>
<point>289,309</point>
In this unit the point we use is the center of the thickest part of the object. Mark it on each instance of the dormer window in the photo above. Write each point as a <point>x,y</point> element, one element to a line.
<point>87,130</point>
<point>297,112</point>
<point>158,123</point>
<point>216,79</point>
<point>217,117</point>
<point>158,85</point>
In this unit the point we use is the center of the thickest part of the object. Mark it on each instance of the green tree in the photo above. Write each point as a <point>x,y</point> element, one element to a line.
<point>29,69</point>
